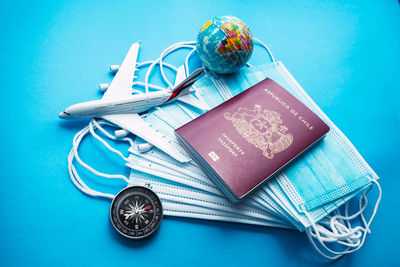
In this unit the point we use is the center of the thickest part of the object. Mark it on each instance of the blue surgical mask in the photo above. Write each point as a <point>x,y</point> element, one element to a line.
<point>183,194</point>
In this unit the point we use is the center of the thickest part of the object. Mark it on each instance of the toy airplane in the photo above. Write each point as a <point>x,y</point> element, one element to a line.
<point>120,107</point>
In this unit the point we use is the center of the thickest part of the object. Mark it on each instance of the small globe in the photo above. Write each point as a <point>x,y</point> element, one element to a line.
<point>224,44</point>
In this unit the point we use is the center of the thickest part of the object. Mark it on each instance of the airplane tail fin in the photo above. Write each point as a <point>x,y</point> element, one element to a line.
<point>183,88</point>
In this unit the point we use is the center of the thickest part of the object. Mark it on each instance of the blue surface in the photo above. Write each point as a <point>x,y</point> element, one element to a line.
<point>345,54</point>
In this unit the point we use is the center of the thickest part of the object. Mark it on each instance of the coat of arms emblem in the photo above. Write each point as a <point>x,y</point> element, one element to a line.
<point>261,128</point>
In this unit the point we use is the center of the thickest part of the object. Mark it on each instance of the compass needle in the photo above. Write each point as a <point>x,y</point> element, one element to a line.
<point>132,208</point>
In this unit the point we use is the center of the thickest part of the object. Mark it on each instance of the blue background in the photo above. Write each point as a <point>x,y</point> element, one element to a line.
<point>346,54</point>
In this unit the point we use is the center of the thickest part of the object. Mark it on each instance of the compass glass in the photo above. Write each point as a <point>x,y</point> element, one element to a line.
<point>136,212</point>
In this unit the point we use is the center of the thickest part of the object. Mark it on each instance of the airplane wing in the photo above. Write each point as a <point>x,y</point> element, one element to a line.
<point>136,125</point>
<point>121,85</point>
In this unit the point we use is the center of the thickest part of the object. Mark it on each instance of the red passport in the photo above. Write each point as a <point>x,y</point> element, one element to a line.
<point>244,141</point>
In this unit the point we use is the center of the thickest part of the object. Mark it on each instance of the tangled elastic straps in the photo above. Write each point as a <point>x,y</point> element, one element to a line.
<point>75,178</point>
<point>344,234</point>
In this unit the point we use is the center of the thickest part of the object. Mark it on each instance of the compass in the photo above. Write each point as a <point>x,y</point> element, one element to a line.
<point>136,212</point>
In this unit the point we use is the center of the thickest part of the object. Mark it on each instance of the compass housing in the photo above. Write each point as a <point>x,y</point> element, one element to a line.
<point>136,212</point>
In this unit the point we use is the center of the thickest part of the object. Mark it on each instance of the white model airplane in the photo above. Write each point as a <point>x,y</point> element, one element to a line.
<point>120,107</point>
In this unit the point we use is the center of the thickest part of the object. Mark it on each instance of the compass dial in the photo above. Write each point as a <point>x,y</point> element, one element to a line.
<point>136,212</point>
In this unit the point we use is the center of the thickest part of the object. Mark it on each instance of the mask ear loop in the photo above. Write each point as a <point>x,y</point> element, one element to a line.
<point>107,145</point>
<point>76,180</point>
<point>327,236</point>
<point>343,224</point>
<point>360,207</point>
<point>74,176</point>
<point>362,214</point>
<point>258,42</point>
<point>351,237</point>
<point>337,224</point>
<point>86,166</point>
<point>167,51</point>
<point>347,250</point>
<point>320,238</point>
<point>187,61</point>
<point>149,62</point>
<point>148,84</point>
<point>172,48</point>
<point>335,219</point>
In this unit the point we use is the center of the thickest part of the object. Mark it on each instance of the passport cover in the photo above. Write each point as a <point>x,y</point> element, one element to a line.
<point>244,141</point>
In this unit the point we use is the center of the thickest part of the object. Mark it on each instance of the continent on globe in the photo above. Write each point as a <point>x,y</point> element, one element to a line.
<point>224,44</point>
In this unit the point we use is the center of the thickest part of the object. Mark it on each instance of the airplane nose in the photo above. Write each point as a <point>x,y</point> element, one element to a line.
<point>62,115</point>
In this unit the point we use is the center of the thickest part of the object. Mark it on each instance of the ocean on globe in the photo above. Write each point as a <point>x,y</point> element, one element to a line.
<point>224,44</point>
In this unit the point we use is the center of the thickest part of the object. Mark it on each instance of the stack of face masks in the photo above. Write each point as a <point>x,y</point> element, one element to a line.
<point>305,196</point>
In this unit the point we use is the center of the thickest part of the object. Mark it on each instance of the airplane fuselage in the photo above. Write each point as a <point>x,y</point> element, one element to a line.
<point>134,104</point>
